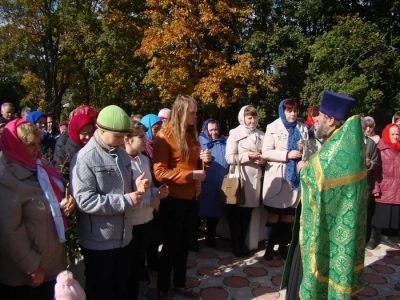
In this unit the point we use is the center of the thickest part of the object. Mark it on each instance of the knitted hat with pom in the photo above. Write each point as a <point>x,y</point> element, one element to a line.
<point>113,119</point>
<point>67,288</point>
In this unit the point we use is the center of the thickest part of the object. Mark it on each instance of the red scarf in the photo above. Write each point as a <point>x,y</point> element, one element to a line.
<point>14,150</point>
<point>75,126</point>
<point>310,122</point>
<point>386,137</point>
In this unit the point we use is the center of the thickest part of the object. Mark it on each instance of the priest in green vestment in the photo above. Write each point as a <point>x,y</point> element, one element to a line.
<point>331,231</point>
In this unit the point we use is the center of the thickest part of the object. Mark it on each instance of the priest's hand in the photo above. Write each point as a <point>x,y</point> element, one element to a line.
<point>301,164</point>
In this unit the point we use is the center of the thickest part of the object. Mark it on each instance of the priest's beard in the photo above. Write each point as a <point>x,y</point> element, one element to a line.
<point>322,132</point>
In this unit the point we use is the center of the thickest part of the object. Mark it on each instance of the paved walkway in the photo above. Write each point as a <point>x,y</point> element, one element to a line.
<point>215,274</point>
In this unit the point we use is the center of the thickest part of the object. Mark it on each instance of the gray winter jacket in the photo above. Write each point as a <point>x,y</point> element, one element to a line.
<point>101,179</point>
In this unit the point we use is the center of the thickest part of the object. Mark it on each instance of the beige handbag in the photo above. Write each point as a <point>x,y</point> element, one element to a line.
<point>232,186</point>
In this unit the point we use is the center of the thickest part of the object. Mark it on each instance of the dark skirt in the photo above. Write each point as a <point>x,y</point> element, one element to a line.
<point>291,211</point>
<point>386,216</point>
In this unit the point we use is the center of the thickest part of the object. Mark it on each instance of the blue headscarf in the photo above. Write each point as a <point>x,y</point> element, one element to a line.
<point>34,116</point>
<point>291,175</point>
<point>148,121</point>
<point>205,134</point>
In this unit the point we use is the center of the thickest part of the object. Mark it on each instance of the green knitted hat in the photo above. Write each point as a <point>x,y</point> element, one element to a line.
<point>113,119</point>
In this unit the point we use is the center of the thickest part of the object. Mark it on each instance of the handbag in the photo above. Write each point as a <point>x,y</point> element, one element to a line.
<point>232,186</point>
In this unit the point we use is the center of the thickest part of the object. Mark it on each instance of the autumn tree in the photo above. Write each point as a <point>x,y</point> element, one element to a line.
<point>36,34</point>
<point>194,47</point>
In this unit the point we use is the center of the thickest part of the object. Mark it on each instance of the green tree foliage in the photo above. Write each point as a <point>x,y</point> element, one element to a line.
<point>112,73</point>
<point>141,54</point>
<point>354,58</point>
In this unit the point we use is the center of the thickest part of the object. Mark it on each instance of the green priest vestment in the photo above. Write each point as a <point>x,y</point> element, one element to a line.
<point>333,217</point>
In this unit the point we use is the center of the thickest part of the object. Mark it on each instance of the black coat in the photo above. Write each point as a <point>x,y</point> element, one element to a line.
<point>64,154</point>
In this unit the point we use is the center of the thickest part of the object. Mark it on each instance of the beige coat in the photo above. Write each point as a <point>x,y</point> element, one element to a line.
<point>28,238</point>
<point>239,144</point>
<point>276,191</point>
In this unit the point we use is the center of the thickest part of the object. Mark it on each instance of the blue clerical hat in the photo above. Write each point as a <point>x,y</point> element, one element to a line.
<point>336,105</point>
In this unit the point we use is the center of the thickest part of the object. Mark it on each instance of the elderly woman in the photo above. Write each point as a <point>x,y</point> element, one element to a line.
<point>387,209</point>
<point>210,206</point>
<point>282,149</point>
<point>374,170</point>
<point>31,220</point>
<point>369,130</point>
<point>244,144</point>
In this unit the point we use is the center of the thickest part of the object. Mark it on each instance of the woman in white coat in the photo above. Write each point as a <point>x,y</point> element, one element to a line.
<point>245,142</point>
<point>281,149</point>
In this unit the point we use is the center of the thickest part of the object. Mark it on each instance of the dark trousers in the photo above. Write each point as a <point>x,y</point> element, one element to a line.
<point>140,237</point>
<point>108,273</point>
<point>178,217</point>
<point>370,214</point>
<point>155,240</point>
<point>45,291</point>
<point>239,222</point>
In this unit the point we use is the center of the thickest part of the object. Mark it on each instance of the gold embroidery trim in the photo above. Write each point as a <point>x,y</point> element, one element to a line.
<point>313,263</point>
<point>323,183</point>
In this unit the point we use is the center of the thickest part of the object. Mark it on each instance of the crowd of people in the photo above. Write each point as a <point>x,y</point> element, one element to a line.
<point>139,182</point>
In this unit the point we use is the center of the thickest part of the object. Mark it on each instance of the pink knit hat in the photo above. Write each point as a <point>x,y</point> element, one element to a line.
<point>67,288</point>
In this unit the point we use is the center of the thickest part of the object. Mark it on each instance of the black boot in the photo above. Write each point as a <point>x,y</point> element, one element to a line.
<point>194,244</point>
<point>210,239</point>
<point>386,240</point>
<point>373,241</point>
<point>270,233</point>
<point>210,232</point>
<point>234,231</point>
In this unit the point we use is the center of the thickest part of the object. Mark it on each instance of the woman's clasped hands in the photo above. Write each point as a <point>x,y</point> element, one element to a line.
<point>255,156</point>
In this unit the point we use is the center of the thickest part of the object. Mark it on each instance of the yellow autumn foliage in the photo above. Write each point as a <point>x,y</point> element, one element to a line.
<point>190,47</point>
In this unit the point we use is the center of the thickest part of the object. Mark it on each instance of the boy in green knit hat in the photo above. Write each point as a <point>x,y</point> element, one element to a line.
<point>105,194</point>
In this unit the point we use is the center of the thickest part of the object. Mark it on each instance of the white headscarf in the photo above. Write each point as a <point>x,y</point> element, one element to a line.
<point>248,129</point>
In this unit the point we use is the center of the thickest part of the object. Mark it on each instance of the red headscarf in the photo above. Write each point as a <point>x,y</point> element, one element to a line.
<point>310,122</point>
<point>386,137</point>
<point>63,123</point>
<point>14,150</point>
<point>84,110</point>
<point>76,124</point>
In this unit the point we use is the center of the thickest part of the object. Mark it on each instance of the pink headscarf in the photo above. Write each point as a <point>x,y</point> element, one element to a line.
<point>14,150</point>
